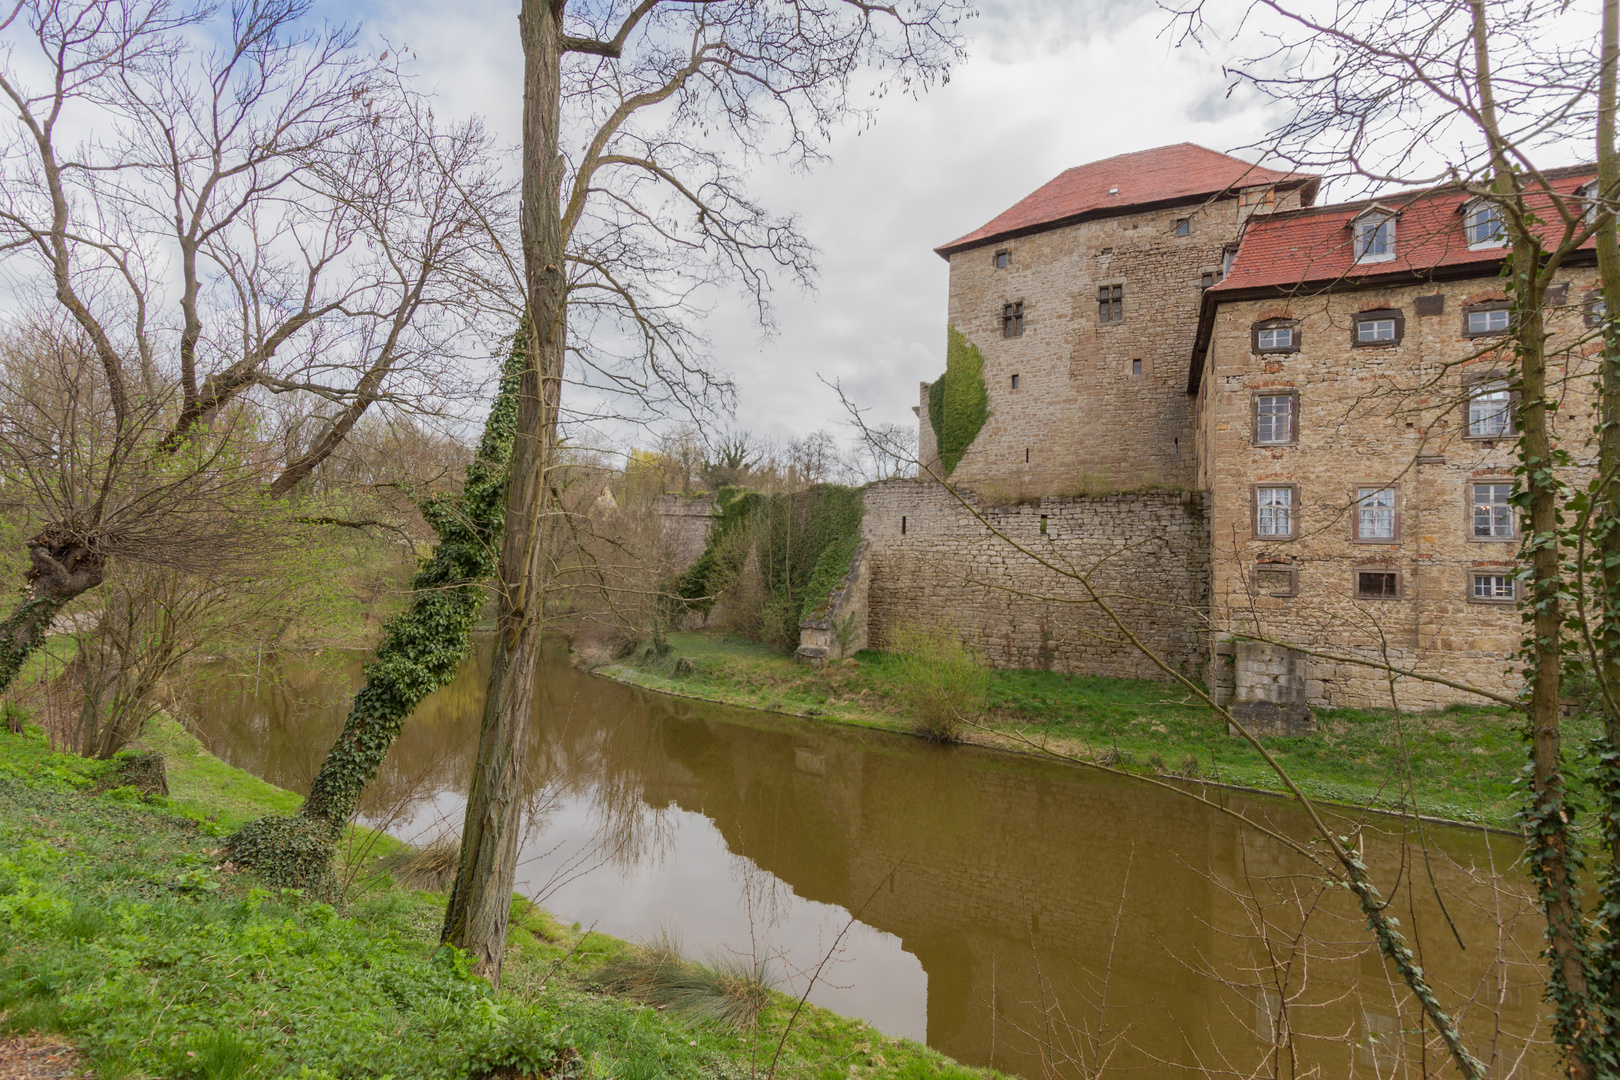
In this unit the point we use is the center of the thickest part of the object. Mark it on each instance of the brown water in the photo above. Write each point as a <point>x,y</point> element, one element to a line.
<point>1044,919</point>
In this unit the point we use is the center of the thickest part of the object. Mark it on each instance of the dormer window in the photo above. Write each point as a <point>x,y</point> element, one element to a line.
<point>1228,257</point>
<point>1588,194</point>
<point>1374,234</point>
<point>1482,223</point>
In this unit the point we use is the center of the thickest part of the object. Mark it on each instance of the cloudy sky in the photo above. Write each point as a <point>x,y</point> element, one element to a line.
<point>1048,84</point>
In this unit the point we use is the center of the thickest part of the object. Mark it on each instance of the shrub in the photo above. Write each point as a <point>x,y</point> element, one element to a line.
<point>943,683</point>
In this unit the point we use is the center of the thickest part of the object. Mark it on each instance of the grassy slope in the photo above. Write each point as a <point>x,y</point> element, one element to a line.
<point>123,931</point>
<point>1462,761</point>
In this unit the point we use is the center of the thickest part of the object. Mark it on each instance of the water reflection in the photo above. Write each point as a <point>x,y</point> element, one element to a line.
<point>1007,910</point>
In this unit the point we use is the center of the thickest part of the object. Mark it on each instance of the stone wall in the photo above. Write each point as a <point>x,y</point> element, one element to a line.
<point>933,560</point>
<point>683,527</point>
<point>1368,417</point>
<point>839,628</point>
<point>1098,406</point>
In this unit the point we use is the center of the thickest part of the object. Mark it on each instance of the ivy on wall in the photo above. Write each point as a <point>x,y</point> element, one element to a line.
<point>958,401</point>
<point>421,650</point>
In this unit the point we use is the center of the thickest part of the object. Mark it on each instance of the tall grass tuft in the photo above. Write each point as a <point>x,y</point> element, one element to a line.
<point>432,867</point>
<point>728,991</point>
<point>944,685</point>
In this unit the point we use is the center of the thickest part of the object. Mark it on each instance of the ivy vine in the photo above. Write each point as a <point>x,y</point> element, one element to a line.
<point>958,401</point>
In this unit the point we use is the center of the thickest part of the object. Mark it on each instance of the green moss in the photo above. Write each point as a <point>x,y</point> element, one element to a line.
<point>958,401</point>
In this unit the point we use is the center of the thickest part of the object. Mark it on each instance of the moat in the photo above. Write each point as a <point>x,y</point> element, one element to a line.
<point>1007,910</point>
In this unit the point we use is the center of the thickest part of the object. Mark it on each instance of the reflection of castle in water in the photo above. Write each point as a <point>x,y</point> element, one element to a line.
<point>1012,881</point>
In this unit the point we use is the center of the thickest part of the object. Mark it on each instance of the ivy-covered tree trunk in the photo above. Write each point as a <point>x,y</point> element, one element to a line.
<point>421,650</point>
<point>475,919</point>
<point>62,564</point>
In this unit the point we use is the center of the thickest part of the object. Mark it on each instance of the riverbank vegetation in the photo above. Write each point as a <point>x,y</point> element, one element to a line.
<point>129,937</point>
<point>1460,763</point>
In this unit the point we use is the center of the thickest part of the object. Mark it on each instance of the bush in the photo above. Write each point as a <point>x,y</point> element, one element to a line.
<point>943,683</point>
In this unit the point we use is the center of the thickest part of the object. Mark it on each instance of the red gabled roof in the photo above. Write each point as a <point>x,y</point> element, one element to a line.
<point>1166,175</point>
<point>1313,247</point>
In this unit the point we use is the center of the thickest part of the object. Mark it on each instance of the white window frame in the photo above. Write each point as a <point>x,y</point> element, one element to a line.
<point>1266,516</point>
<point>1290,398</point>
<point>1377,514</point>
<point>1478,213</point>
<point>1490,315</point>
<point>1376,338</point>
<point>1493,597</point>
<point>1497,513</point>
<point>1366,229</point>
<point>1275,345</point>
<point>1500,421</point>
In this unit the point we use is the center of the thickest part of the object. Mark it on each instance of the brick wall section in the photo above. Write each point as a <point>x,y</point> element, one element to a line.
<point>1373,416</point>
<point>947,566</point>
<point>1086,422</point>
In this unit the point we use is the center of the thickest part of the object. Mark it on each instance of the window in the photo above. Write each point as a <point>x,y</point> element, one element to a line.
<point>1378,328</point>
<point>1596,311</point>
<point>1375,238</point>
<point>1378,584</point>
<point>1588,192</point>
<point>1043,524</point>
<point>1228,257</point>
<point>1012,320</point>
<point>1208,278</point>
<point>1274,506</point>
<point>1493,514</point>
<point>1261,201</point>
<point>1493,587</point>
<point>1485,320</point>
<point>1276,579</point>
<point>1274,418</point>
<point>1376,520</point>
<point>1490,411</point>
<point>1003,257</point>
<point>1183,226</point>
<point>1482,222</point>
<point>1110,303</point>
<point>1274,336</point>
<point>1136,368</point>
<point>1015,382</point>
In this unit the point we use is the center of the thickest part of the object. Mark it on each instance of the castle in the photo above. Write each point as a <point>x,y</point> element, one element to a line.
<point>1236,414</point>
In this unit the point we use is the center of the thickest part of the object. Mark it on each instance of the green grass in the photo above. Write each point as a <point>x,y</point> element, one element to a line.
<point>124,933</point>
<point>1462,762</point>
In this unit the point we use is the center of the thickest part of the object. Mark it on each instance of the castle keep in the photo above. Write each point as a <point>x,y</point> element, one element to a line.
<point>1240,415</point>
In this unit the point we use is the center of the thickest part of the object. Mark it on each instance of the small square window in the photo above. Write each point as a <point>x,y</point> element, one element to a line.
<point>1378,584</point>
<point>1002,258</point>
<point>1376,519</point>
<point>1111,303</point>
<point>1183,226</point>
<point>1208,278</point>
<point>1274,511</point>
<point>1274,419</point>
<point>1486,321</point>
<point>1493,587</point>
<point>1012,320</point>
<point>1490,411</point>
<point>1376,331</point>
<point>1493,511</point>
<point>1136,368</point>
<point>1274,336</point>
<point>1595,312</point>
<point>1015,382</point>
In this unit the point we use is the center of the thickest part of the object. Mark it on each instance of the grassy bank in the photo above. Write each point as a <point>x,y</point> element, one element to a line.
<point>1461,762</point>
<point>126,936</point>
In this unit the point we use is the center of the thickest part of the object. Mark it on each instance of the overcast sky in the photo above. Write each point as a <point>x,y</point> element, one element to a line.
<point>1047,85</point>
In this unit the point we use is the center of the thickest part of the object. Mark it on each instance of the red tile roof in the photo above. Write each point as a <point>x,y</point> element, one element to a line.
<point>1312,247</point>
<point>1166,175</point>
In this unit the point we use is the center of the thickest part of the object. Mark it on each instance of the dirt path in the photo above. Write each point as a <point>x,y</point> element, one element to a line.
<point>39,1057</point>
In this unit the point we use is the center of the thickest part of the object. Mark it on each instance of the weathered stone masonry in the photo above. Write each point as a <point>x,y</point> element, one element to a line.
<point>933,560</point>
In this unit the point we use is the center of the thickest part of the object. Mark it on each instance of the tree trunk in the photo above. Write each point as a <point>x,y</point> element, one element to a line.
<point>63,565</point>
<point>475,918</point>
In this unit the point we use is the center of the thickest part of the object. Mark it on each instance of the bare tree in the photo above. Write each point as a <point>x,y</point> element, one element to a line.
<point>645,84</point>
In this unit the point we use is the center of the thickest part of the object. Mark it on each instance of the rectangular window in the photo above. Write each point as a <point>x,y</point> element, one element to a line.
<point>1484,225</point>
<point>1378,584</point>
<point>1275,338</point>
<point>1136,367</point>
<point>1486,321</point>
<point>1273,419</point>
<point>1490,411</point>
<point>1012,320</point>
<point>1375,518</point>
<point>1274,512</point>
<point>1373,331</point>
<point>1003,257</point>
<point>1183,226</point>
<point>1208,278</point>
<point>1375,239</point>
<point>1015,382</point>
<point>1111,303</point>
<point>1494,587</point>
<point>1596,311</point>
<point>1493,514</point>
